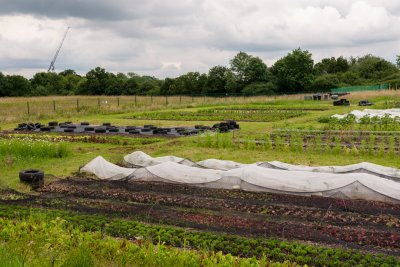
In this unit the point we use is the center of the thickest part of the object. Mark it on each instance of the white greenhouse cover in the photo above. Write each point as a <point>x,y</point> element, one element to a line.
<point>257,178</point>
<point>104,169</point>
<point>395,112</point>
<point>363,167</point>
<point>141,159</point>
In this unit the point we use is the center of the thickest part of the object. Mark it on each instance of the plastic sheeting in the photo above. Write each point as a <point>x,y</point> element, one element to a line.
<point>141,159</point>
<point>363,167</point>
<point>257,178</point>
<point>104,169</point>
<point>395,112</point>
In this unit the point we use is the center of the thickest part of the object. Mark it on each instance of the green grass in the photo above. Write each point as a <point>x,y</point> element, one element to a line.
<point>38,241</point>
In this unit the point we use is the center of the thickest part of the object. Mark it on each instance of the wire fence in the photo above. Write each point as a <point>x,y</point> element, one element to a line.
<point>12,109</point>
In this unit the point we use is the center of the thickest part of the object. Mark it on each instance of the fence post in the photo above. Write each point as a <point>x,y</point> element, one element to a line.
<point>166,100</point>
<point>27,104</point>
<point>54,105</point>
<point>77,104</point>
<point>118,101</point>
<point>135,100</point>
<point>98,102</point>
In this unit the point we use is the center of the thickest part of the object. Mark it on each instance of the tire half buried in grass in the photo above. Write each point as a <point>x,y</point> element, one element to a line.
<point>31,176</point>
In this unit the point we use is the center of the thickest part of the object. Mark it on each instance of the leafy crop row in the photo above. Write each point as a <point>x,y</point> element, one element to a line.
<point>373,123</point>
<point>264,115</point>
<point>246,247</point>
<point>299,142</point>
<point>38,242</point>
<point>56,138</point>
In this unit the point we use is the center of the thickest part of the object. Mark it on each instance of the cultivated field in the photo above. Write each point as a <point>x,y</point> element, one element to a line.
<point>78,220</point>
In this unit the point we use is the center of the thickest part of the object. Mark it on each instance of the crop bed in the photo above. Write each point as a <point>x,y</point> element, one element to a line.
<point>256,223</point>
<point>331,221</point>
<point>221,114</point>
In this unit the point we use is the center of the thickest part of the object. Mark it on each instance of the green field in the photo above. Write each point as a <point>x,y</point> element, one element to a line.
<point>285,128</point>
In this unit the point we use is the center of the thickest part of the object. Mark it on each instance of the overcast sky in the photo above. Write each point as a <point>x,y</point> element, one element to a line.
<point>167,38</point>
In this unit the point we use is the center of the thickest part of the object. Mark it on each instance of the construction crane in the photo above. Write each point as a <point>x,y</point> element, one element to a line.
<point>51,67</point>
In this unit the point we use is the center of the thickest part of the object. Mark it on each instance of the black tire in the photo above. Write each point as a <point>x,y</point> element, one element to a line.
<point>71,127</point>
<point>89,129</point>
<point>148,126</point>
<point>63,125</point>
<point>31,176</point>
<point>85,123</point>
<point>69,130</point>
<point>31,126</point>
<point>159,131</point>
<point>106,124</point>
<point>100,130</point>
<point>129,128</point>
<point>113,130</point>
<point>53,123</point>
<point>146,130</point>
<point>134,132</point>
<point>45,129</point>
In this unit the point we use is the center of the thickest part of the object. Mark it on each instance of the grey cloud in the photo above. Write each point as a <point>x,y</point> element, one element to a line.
<point>88,9</point>
<point>140,36</point>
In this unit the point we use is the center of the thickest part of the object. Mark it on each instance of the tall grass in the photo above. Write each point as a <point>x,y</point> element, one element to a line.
<point>26,148</point>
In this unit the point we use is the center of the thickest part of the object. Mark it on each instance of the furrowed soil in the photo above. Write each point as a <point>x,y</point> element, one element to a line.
<point>363,225</point>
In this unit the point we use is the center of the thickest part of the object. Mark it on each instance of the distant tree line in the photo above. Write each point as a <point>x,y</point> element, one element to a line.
<point>245,75</point>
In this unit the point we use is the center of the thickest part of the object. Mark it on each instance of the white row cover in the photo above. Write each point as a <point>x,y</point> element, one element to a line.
<point>252,177</point>
<point>141,159</point>
<point>395,112</point>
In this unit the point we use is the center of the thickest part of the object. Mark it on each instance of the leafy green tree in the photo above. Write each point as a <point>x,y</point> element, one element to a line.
<point>332,65</point>
<point>233,85</point>
<point>295,71</point>
<point>249,69</point>
<point>71,83</point>
<point>167,87</point>
<point>96,82</point>
<point>130,87</point>
<point>2,84</point>
<point>16,85</point>
<point>398,62</point>
<point>191,83</point>
<point>260,88</point>
<point>373,68</point>
<point>67,72</point>
<point>216,81</point>
<point>47,83</point>
<point>325,82</point>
